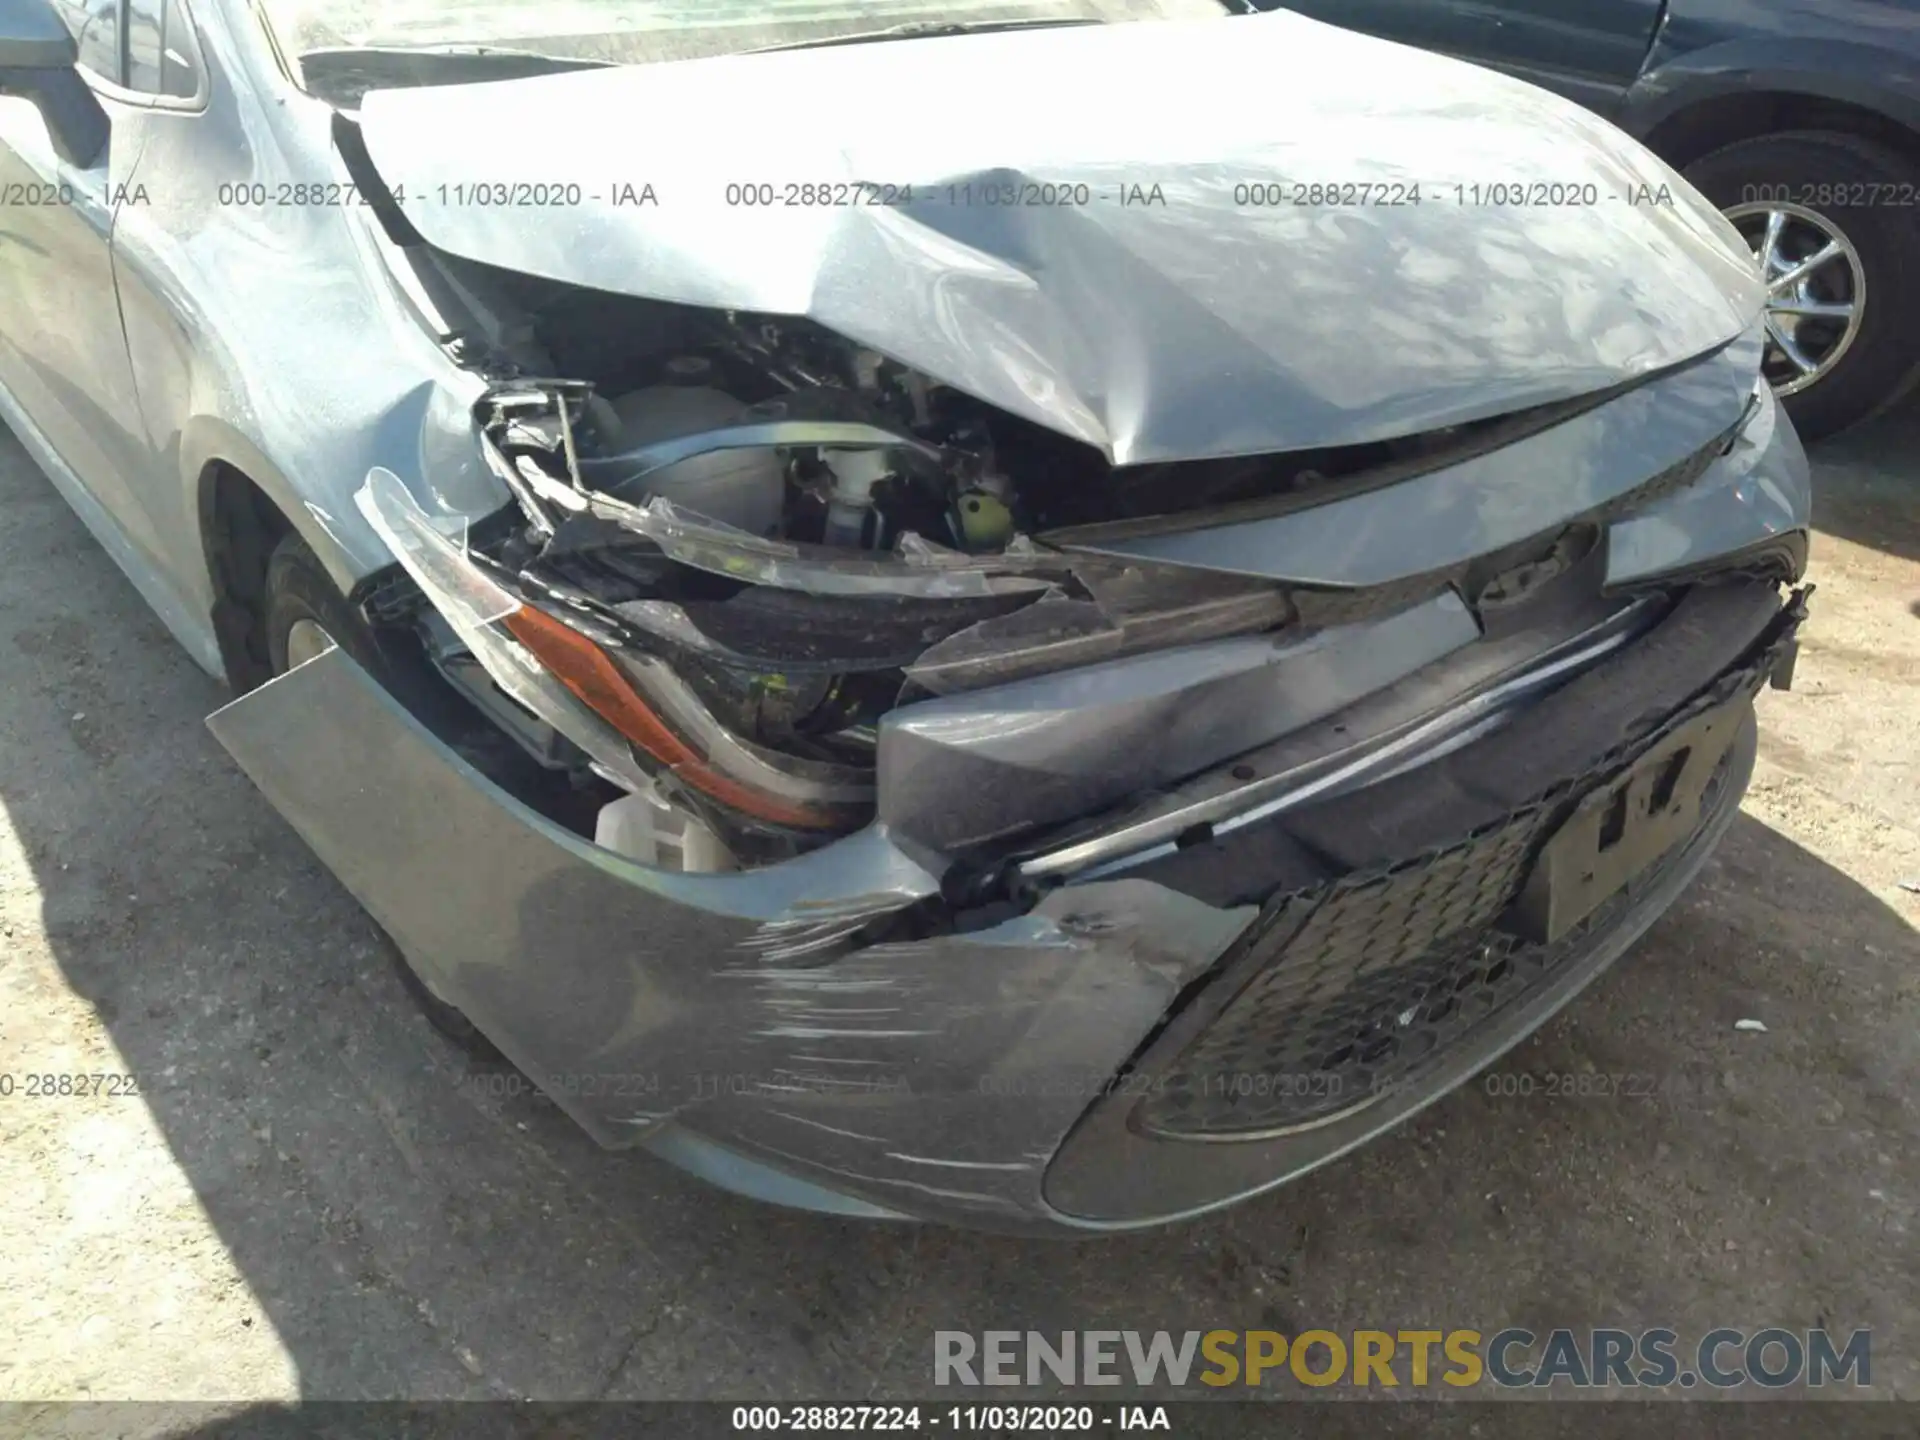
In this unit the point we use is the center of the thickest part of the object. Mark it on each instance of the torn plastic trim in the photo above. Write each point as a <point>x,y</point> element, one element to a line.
<point>552,669</point>
<point>1330,760</point>
<point>473,605</point>
<point>967,772</point>
<point>520,486</point>
<point>851,633</point>
<point>1133,606</point>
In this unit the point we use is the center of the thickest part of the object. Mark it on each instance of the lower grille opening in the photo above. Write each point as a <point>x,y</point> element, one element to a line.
<point>1379,982</point>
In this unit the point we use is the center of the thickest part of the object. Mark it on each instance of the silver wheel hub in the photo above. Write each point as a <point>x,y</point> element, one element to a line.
<point>305,640</point>
<point>1816,290</point>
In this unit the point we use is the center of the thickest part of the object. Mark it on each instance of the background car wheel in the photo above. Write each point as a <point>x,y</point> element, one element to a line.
<point>303,613</point>
<point>1842,263</point>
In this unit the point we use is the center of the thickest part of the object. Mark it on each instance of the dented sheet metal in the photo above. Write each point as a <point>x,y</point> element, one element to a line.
<point>949,1067</point>
<point>1447,516</point>
<point>962,769</point>
<point>1257,315</point>
<point>1759,495</point>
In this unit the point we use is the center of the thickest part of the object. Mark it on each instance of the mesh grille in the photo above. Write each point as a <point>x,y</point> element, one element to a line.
<point>1381,977</point>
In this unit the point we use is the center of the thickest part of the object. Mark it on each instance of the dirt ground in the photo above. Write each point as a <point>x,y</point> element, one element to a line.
<point>309,1196</point>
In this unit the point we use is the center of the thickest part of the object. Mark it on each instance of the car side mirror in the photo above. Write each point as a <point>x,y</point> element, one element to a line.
<point>33,37</point>
<point>37,62</point>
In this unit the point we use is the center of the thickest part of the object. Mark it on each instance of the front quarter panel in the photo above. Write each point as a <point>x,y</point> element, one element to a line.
<point>261,332</point>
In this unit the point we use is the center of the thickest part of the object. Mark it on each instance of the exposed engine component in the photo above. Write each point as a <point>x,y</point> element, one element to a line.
<point>767,539</point>
<point>852,520</point>
<point>742,488</point>
<point>985,517</point>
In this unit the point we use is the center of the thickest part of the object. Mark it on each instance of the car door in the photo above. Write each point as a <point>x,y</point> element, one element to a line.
<point>63,355</point>
<point>1588,50</point>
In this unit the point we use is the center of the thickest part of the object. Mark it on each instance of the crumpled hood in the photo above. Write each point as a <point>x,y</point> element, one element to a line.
<point>1177,306</point>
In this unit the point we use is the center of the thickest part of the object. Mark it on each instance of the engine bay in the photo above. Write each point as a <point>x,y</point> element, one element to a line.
<point>740,541</point>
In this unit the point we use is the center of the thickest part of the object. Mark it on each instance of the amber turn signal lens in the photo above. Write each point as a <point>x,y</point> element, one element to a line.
<point>589,672</point>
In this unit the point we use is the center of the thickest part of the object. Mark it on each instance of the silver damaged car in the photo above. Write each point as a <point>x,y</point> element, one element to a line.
<point>1040,615</point>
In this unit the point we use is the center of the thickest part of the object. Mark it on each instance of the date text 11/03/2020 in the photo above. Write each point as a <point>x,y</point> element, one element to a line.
<point>963,1419</point>
<point>1264,193</point>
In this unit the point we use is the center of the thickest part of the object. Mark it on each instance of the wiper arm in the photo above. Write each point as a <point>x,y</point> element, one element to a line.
<point>918,28</point>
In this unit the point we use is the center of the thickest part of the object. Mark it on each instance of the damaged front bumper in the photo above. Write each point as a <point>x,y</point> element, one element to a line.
<point>1102,1049</point>
<point>648,1003</point>
<point>1131,939</point>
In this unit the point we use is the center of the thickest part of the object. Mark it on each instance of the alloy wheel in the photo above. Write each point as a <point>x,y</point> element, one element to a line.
<point>1816,290</point>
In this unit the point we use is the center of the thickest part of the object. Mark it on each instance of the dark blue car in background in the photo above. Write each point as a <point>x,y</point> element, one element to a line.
<point>1799,118</point>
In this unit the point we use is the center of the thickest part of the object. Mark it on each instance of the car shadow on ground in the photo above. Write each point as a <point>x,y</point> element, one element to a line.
<point>412,1227</point>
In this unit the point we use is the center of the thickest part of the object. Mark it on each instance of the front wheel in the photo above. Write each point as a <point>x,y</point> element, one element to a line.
<point>1834,220</point>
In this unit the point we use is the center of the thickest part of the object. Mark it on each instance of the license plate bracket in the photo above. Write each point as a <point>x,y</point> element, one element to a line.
<point>1618,829</point>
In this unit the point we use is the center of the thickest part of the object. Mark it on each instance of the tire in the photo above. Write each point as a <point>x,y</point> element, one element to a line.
<point>299,589</point>
<point>1841,180</point>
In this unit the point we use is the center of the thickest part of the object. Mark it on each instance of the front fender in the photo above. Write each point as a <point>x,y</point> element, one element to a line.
<point>426,435</point>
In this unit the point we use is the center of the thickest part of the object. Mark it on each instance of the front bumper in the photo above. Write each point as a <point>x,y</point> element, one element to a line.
<point>992,1077</point>
<point>831,1032</point>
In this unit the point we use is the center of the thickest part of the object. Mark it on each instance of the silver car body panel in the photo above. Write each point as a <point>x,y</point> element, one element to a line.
<point>1246,327</point>
<point>946,1069</point>
<point>1449,515</point>
<point>192,629</point>
<point>235,317</point>
<point>963,769</point>
<point>282,343</point>
<point>1758,493</point>
<point>908,1076</point>
<point>266,338</point>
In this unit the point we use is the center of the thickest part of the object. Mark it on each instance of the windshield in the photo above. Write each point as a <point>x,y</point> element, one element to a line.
<point>629,32</point>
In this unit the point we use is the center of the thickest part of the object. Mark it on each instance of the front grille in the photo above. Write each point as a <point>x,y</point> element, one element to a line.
<point>1368,983</point>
